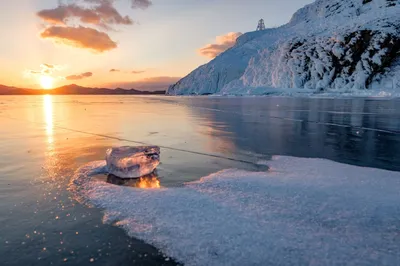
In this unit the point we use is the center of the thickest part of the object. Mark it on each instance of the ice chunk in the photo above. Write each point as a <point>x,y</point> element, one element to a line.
<point>132,162</point>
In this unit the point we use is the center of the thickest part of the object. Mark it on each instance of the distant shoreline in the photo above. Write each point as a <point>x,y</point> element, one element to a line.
<point>38,94</point>
<point>74,89</point>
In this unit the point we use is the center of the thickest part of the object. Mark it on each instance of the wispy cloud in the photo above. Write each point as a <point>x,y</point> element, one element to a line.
<point>127,72</point>
<point>80,76</point>
<point>80,37</point>
<point>48,66</point>
<point>223,43</point>
<point>143,4</point>
<point>45,69</point>
<point>137,71</point>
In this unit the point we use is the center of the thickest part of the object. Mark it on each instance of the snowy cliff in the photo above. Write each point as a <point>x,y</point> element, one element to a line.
<point>329,45</point>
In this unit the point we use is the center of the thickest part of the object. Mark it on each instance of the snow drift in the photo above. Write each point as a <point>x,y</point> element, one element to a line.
<point>330,45</point>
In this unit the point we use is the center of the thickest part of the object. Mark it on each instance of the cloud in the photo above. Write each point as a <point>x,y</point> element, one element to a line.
<point>67,18</point>
<point>143,4</point>
<point>128,72</point>
<point>45,69</point>
<point>81,76</point>
<point>147,84</point>
<point>138,71</point>
<point>47,66</point>
<point>223,43</point>
<point>80,37</point>
<point>34,72</point>
<point>102,14</point>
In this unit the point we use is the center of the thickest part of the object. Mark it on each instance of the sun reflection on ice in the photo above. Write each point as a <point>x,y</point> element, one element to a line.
<point>48,117</point>
<point>146,183</point>
<point>51,158</point>
<point>150,181</point>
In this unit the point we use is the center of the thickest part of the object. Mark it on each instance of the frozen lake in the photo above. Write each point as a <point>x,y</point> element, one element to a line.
<point>45,139</point>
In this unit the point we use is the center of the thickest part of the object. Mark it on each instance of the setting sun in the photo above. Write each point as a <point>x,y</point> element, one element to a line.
<point>46,82</point>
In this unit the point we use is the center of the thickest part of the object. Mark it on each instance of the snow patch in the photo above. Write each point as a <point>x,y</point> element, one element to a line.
<point>300,212</point>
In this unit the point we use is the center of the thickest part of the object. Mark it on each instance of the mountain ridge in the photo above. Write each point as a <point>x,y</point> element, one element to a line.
<point>73,89</point>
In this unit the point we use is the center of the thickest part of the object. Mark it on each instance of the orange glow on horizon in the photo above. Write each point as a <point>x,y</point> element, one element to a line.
<point>46,82</point>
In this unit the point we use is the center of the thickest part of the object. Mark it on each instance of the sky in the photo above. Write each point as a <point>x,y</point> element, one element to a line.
<point>143,44</point>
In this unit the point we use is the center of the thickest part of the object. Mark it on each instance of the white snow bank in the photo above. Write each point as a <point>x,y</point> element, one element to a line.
<point>301,212</point>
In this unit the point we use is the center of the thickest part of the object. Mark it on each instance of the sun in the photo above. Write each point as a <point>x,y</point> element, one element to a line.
<point>46,82</point>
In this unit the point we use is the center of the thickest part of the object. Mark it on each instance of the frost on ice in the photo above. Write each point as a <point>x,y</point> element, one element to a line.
<point>132,162</point>
<point>300,212</point>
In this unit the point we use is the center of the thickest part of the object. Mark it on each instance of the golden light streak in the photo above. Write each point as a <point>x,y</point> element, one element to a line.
<point>48,116</point>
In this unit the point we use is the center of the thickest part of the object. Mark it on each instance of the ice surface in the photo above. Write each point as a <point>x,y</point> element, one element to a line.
<point>318,49</point>
<point>132,162</point>
<point>300,212</point>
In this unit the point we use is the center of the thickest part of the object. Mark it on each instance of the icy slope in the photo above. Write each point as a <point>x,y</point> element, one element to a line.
<point>330,45</point>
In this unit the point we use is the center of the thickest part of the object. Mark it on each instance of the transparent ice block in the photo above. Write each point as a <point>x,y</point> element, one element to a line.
<point>132,162</point>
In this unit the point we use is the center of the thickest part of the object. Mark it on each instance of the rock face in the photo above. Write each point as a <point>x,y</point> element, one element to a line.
<point>330,45</point>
